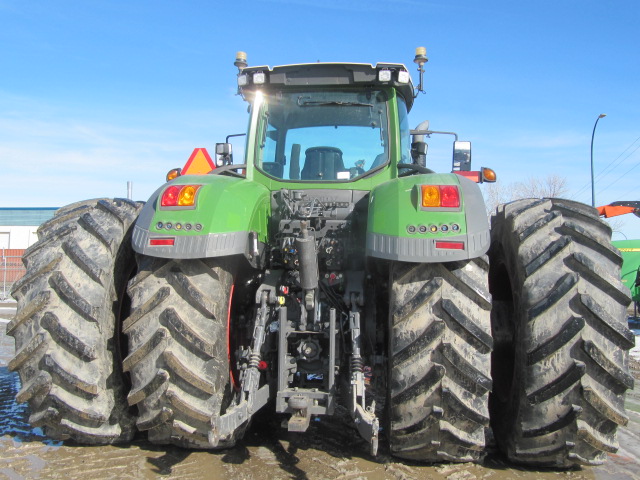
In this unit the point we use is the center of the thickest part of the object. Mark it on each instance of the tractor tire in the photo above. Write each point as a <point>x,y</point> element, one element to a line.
<point>66,327</point>
<point>560,363</point>
<point>178,359</point>
<point>439,354</point>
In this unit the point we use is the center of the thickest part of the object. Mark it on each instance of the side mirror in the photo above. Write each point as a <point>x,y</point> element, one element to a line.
<point>461,156</point>
<point>224,155</point>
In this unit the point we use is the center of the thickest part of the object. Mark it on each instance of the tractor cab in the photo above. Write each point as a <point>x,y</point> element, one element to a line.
<point>324,122</point>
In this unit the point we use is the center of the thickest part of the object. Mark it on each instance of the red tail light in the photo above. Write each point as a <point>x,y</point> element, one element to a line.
<point>179,196</point>
<point>170,196</point>
<point>449,196</point>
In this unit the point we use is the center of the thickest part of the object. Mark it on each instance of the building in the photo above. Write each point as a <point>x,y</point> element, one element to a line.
<point>18,226</point>
<point>18,231</point>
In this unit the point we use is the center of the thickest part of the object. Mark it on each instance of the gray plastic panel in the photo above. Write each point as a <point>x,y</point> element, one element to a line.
<point>474,207</point>
<point>420,249</point>
<point>199,246</point>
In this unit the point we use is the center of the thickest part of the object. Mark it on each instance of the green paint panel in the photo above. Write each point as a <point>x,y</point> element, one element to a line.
<point>394,207</point>
<point>630,250</point>
<point>223,204</point>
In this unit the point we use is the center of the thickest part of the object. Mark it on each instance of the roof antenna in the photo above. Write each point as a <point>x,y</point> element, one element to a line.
<point>420,59</point>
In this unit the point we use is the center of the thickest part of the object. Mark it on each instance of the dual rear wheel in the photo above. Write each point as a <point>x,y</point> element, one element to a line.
<point>556,332</point>
<point>544,364</point>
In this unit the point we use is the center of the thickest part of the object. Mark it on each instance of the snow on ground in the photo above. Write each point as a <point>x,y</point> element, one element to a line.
<point>635,351</point>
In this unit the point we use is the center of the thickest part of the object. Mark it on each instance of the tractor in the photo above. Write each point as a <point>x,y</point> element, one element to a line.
<point>328,270</point>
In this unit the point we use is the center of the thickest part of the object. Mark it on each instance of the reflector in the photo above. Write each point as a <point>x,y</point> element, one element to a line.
<point>155,242</point>
<point>450,245</point>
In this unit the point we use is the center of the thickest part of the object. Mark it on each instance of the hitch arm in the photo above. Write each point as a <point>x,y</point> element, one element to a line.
<point>251,398</point>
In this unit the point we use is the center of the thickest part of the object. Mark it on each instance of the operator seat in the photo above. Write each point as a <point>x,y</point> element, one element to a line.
<point>322,163</point>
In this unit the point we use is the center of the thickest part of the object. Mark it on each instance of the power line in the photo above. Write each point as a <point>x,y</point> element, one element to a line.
<point>624,174</point>
<point>610,164</point>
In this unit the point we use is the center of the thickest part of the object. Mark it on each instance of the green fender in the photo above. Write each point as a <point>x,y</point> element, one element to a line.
<point>399,228</point>
<point>230,217</point>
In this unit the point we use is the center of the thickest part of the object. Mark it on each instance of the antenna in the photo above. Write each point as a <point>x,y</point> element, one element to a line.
<point>420,59</point>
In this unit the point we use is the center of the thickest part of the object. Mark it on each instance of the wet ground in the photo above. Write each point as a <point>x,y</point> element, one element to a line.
<point>329,450</point>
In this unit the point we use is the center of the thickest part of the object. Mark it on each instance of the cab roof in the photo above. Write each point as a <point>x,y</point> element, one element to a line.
<point>328,75</point>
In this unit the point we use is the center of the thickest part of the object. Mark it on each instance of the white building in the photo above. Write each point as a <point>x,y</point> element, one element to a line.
<point>18,226</point>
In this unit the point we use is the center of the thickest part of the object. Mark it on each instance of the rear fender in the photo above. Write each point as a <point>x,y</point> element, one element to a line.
<point>400,229</point>
<point>229,217</point>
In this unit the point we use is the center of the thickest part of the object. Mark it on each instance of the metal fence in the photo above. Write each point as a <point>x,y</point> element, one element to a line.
<point>11,270</point>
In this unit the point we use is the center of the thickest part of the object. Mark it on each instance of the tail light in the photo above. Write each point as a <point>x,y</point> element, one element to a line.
<point>179,196</point>
<point>440,196</point>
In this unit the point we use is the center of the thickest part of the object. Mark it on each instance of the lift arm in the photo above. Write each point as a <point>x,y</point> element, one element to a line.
<point>619,208</point>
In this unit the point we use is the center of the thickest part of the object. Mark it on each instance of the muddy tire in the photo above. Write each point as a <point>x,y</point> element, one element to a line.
<point>178,357</point>
<point>439,354</point>
<point>65,328</point>
<point>560,363</point>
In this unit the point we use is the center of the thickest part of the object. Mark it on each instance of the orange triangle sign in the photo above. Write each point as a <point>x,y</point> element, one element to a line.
<point>199,163</point>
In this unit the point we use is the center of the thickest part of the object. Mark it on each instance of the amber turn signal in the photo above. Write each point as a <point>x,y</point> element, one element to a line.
<point>173,173</point>
<point>488,175</point>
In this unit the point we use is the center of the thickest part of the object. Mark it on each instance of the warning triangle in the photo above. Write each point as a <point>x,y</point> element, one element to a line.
<point>199,163</point>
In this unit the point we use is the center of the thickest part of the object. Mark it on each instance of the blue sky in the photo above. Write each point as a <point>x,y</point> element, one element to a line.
<point>97,93</point>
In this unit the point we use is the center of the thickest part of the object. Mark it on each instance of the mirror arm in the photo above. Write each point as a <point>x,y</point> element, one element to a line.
<point>429,132</point>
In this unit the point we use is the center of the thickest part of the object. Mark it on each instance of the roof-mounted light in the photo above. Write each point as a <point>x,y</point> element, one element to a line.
<point>243,80</point>
<point>403,76</point>
<point>259,78</point>
<point>384,75</point>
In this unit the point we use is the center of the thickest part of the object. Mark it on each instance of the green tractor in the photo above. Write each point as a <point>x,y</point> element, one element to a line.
<point>329,269</point>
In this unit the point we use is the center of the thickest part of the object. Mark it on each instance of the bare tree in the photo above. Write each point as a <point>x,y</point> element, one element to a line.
<point>550,186</point>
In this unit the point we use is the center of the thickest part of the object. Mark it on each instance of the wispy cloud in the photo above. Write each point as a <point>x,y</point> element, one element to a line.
<point>52,157</point>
